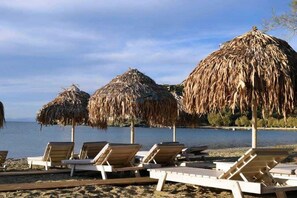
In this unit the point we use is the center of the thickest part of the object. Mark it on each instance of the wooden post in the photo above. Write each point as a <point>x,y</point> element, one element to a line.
<point>72,131</point>
<point>174,133</point>
<point>132,132</point>
<point>254,122</point>
<point>72,136</point>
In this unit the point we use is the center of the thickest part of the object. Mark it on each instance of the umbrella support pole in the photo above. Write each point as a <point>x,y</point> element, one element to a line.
<point>254,124</point>
<point>174,133</point>
<point>72,131</point>
<point>132,137</point>
<point>72,136</point>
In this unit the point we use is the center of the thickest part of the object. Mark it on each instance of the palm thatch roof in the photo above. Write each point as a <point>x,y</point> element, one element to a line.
<point>129,96</point>
<point>70,105</point>
<point>2,117</point>
<point>254,66</point>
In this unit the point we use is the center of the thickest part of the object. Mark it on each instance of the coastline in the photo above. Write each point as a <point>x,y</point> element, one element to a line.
<point>236,128</point>
<point>139,190</point>
<point>198,127</point>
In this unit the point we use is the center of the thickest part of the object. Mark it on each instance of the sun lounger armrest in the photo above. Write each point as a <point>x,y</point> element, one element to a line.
<point>133,168</point>
<point>76,162</point>
<point>38,158</point>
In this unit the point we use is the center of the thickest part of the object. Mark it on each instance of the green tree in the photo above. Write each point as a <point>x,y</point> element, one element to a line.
<point>272,122</point>
<point>243,121</point>
<point>214,119</point>
<point>237,122</point>
<point>223,118</point>
<point>281,123</point>
<point>261,122</point>
<point>292,122</point>
<point>226,117</point>
<point>226,121</point>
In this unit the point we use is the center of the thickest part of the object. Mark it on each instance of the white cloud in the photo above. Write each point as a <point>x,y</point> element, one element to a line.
<point>161,58</point>
<point>66,5</point>
<point>67,33</point>
<point>51,83</point>
<point>37,40</point>
<point>34,5</point>
<point>13,36</point>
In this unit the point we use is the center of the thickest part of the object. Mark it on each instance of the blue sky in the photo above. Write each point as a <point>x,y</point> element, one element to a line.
<point>47,45</point>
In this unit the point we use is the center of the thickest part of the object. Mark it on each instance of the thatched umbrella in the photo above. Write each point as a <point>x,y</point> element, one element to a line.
<point>2,117</point>
<point>253,70</point>
<point>68,108</point>
<point>132,96</point>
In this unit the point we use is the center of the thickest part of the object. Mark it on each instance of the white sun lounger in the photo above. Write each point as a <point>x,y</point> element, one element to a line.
<point>281,171</point>
<point>161,155</point>
<point>285,171</point>
<point>90,149</point>
<point>3,155</point>
<point>249,174</point>
<point>54,153</point>
<point>112,158</point>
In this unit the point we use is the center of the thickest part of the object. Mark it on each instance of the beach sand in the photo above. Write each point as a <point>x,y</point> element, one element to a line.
<point>148,190</point>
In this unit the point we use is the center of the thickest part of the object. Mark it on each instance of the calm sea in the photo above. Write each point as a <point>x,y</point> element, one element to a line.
<point>23,139</point>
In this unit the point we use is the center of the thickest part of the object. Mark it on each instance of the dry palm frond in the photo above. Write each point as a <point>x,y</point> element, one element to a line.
<point>70,105</point>
<point>2,117</point>
<point>254,63</point>
<point>132,95</point>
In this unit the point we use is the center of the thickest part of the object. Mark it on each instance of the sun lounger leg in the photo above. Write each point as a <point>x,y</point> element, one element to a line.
<point>103,173</point>
<point>46,167</point>
<point>161,181</point>
<point>137,174</point>
<point>72,170</point>
<point>281,194</point>
<point>236,191</point>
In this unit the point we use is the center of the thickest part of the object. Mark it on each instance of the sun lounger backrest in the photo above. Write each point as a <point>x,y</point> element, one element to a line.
<point>57,151</point>
<point>163,154</point>
<point>90,149</point>
<point>3,155</point>
<point>117,155</point>
<point>254,165</point>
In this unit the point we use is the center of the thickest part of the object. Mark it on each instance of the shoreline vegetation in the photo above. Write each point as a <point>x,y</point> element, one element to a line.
<point>140,190</point>
<point>236,128</point>
<point>233,128</point>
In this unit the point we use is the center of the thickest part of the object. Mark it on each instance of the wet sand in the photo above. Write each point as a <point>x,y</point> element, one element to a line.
<point>148,190</point>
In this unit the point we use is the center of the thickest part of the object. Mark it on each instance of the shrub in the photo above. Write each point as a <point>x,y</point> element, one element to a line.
<point>272,122</point>
<point>243,121</point>
<point>291,122</point>
<point>261,122</point>
<point>214,119</point>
